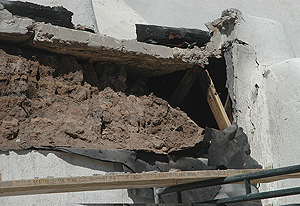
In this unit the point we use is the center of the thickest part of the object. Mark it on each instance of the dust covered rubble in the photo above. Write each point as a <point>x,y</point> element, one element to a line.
<point>52,100</point>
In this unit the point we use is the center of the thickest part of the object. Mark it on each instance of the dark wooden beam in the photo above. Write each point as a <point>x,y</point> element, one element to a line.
<point>185,85</point>
<point>57,15</point>
<point>172,37</point>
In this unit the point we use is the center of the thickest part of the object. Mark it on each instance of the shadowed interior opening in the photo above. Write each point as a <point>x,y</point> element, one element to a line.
<point>195,103</point>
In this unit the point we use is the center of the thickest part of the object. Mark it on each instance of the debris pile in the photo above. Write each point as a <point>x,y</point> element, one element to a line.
<point>54,104</point>
<point>86,94</point>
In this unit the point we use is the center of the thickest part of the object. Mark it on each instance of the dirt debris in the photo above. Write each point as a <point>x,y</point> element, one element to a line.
<point>56,100</point>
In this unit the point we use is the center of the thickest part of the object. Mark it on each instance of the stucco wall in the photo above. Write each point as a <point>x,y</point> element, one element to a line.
<point>195,13</point>
<point>117,19</point>
<point>263,83</point>
<point>43,164</point>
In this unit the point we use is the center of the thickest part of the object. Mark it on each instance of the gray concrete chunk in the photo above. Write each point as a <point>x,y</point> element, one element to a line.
<point>4,14</point>
<point>15,30</point>
<point>139,58</point>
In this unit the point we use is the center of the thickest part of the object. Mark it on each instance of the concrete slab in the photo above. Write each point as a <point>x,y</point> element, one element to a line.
<point>139,58</point>
<point>14,29</point>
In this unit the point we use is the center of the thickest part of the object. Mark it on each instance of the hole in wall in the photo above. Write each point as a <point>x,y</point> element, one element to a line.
<point>195,103</point>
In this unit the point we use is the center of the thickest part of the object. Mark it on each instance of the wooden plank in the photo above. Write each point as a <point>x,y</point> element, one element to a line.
<point>185,85</point>
<point>214,100</point>
<point>118,181</point>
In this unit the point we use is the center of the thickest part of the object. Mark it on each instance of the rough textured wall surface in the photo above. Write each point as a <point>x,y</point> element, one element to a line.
<point>50,101</point>
<point>32,164</point>
<point>262,75</point>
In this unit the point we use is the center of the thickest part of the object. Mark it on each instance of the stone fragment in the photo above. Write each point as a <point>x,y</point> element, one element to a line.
<point>9,128</point>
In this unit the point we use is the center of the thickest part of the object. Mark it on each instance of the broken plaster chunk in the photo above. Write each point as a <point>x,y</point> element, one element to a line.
<point>15,30</point>
<point>4,14</point>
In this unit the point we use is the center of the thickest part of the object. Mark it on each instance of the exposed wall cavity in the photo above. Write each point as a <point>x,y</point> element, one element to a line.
<point>245,60</point>
<point>195,103</point>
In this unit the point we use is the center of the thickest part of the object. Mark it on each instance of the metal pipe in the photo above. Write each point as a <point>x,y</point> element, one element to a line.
<point>190,186</point>
<point>247,186</point>
<point>256,196</point>
<point>156,196</point>
<point>231,179</point>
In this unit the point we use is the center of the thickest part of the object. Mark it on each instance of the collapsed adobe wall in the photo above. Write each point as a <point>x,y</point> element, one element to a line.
<point>53,81</point>
<point>50,101</point>
<point>66,88</point>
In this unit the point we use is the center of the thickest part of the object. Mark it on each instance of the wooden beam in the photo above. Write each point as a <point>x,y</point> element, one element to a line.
<point>171,36</point>
<point>214,100</point>
<point>185,85</point>
<point>119,181</point>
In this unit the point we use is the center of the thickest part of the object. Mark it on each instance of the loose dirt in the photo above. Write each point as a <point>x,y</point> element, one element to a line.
<point>59,101</point>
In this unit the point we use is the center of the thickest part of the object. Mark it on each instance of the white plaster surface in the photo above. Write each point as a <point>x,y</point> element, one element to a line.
<point>195,13</point>
<point>116,19</point>
<point>43,164</point>
<point>283,94</point>
<point>267,37</point>
<point>83,11</point>
<point>263,80</point>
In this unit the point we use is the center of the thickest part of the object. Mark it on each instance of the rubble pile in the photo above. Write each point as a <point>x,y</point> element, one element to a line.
<point>50,100</point>
<point>83,93</point>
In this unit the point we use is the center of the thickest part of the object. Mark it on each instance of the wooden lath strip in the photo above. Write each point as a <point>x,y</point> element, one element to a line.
<point>214,100</point>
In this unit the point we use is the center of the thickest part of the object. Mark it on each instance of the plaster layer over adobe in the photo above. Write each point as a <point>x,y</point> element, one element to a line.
<point>262,78</point>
